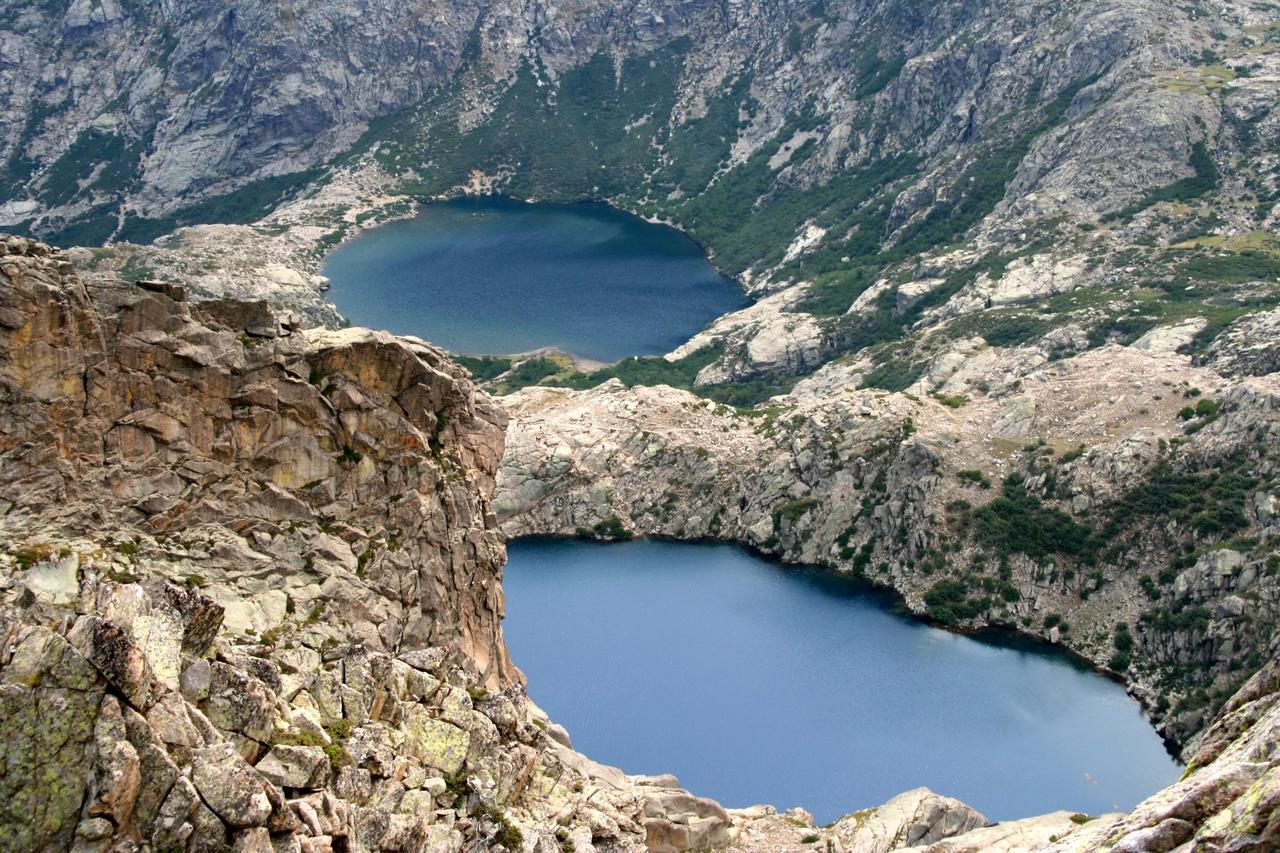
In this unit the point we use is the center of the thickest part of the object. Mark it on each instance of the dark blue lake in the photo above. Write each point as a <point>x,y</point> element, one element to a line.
<point>754,682</point>
<point>492,276</point>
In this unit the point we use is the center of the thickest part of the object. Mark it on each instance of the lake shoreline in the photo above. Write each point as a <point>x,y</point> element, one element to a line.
<point>1002,635</point>
<point>492,275</point>
<point>808,632</point>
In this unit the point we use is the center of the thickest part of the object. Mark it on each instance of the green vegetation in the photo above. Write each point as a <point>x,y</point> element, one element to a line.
<point>976,477</point>
<point>589,137</point>
<point>529,372</point>
<point>63,180</point>
<point>1015,329</point>
<point>1203,413</point>
<point>948,601</point>
<point>484,367</point>
<point>1072,455</point>
<point>876,72</point>
<point>338,732</point>
<point>508,834</point>
<point>653,370</point>
<point>1018,522</point>
<point>1123,642</point>
<point>1211,503</point>
<point>792,511</point>
<point>610,528</point>
<point>27,556</point>
<point>951,401</point>
<point>1234,268</point>
<point>248,204</point>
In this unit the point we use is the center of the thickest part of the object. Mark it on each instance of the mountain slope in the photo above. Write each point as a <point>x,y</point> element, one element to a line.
<point>203,649</point>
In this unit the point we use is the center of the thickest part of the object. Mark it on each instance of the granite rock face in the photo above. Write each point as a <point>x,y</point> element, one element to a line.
<point>251,590</point>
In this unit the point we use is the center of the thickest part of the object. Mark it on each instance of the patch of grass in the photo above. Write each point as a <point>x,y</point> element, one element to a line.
<point>951,401</point>
<point>977,478</point>
<point>27,556</point>
<point>1250,265</point>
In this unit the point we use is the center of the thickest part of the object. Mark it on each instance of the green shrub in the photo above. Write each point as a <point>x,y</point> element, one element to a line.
<point>529,372</point>
<point>483,368</point>
<point>1072,455</point>
<point>976,477</point>
<point>508,834</point>
<point>1018,522</point>
<point>610,528</point>
<point>1018,329</point>
<point>1212,504</point>
<point>793,511</point>
<point>951,401</point>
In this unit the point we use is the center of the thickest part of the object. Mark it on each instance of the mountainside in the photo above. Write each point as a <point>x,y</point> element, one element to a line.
<point>1013,353</point>
<point>251,593</point>
<point>203,648</point>
<point>889,178</point>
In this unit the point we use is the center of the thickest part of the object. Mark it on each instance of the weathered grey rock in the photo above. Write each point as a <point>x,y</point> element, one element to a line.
<point>435,743</point>
<point>230,787</point>
<point>295,766</point>
<point>399,677</point>
<point>915,818</point>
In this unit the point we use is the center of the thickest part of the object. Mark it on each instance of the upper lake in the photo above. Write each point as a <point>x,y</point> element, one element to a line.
<point>754,682</point>
<point>493,276</point>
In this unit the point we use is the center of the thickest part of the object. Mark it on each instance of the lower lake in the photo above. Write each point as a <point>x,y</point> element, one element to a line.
<point>759,683</point>
<point>493,276</point>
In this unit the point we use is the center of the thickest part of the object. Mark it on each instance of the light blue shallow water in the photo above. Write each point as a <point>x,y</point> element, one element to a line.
<point>758,683</point>
<point>496,276</point>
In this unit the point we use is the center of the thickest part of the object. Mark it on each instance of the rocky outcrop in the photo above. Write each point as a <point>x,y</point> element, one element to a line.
<point>129,408</point>
<point>1248,347</point>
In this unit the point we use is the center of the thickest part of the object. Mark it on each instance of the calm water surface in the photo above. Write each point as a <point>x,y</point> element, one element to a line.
<point>496,276</point>
<point>758,683</point>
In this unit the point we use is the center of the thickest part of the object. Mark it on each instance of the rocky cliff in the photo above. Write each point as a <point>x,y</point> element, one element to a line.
<point>252,592</point>
<point>1013,355</point>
